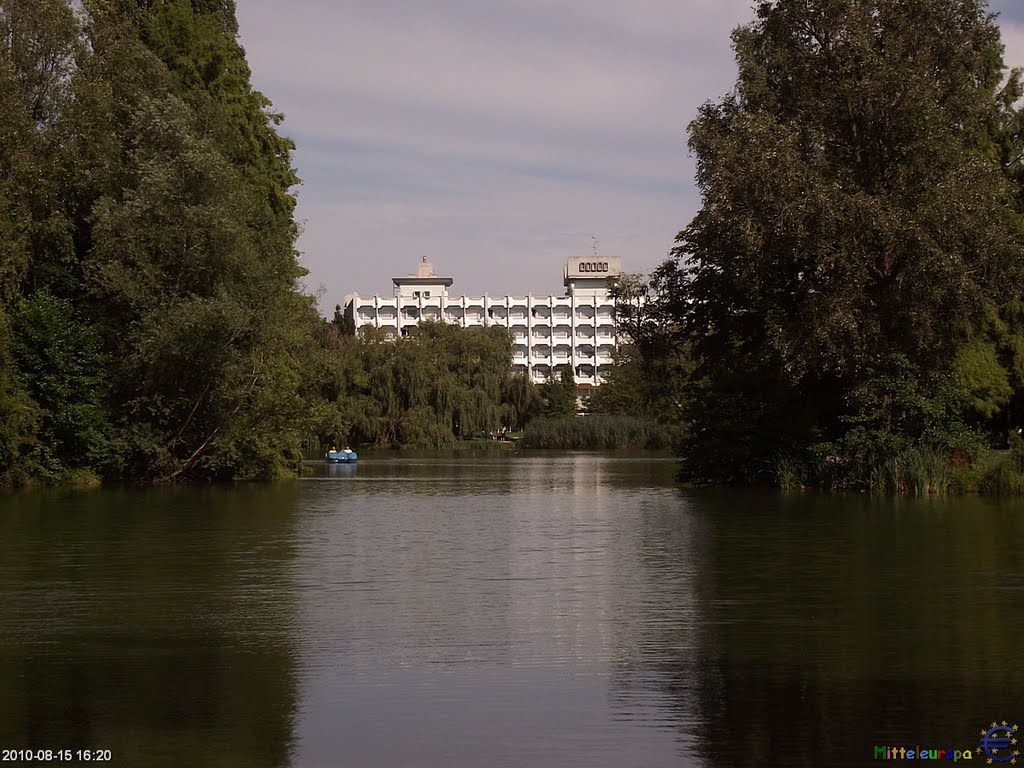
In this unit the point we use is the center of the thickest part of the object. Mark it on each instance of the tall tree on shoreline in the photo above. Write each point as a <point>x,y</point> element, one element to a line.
<point>857,229</point>
<point>147,194</point>
<point>194,253</point>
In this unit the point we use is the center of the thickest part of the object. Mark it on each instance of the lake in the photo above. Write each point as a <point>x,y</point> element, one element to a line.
<point>541,609</point>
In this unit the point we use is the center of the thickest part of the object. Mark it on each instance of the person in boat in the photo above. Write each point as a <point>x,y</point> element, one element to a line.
<point>347,449</point>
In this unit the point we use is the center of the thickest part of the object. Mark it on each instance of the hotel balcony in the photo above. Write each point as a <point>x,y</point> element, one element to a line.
<point>584,371</point>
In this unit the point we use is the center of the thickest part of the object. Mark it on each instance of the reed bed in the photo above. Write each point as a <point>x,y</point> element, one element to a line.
<point>596,432</point>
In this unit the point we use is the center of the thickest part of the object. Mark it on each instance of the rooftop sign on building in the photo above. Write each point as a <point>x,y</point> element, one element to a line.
<point>592,268</point>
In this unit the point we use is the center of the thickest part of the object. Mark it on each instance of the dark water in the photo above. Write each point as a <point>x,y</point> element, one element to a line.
<point>548,610</point>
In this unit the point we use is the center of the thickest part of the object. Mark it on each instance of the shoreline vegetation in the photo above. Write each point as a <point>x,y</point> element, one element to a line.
<point>598,432</point>
<point>916,472</point>
<point>844,313</point>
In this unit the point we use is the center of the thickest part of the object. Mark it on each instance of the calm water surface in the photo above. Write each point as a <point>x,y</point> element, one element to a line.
<point>540,610</point>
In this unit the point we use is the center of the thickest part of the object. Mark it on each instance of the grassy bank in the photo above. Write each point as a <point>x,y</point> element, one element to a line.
<point>22,481</point>
<point>484,443</point>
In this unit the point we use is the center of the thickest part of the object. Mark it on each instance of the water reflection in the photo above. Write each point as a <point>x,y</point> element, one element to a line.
<point>837,624</point>
<point>658,619</point>
<point>542,610</point>
<point>156,624</point>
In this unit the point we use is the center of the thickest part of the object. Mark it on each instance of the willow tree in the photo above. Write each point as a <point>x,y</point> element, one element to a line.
<point>438,384</point>
<point>858,227</point>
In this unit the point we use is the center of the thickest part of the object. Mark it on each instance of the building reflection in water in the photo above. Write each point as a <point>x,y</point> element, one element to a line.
<point>473,611</point>
<point>656,677</point>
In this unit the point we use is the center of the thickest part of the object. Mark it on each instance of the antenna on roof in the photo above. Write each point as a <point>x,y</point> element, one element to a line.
<point>594,239</point>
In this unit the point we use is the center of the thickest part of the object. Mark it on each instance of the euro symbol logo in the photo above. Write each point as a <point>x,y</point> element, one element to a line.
<point>998,742</point>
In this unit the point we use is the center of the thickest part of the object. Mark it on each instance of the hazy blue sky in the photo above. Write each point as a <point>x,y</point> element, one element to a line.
<point>494,137</point>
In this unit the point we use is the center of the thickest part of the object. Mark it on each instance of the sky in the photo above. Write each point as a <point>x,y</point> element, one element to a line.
<point>496,138</point>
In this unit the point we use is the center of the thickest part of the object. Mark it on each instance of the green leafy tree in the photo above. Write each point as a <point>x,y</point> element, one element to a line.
<point>197,291</point>
<point>650,366</point>
<point>40,43</point>
<point>988,372</point>
<point>146,206</point>
<point>62,368</point>
<point>857,227</point>
<point>628,388</point>
<point>19,417</point>
<point>345,324</point>
<point>197,41</point>
<point>518,401</point>
<point>557,397</point>
<point>40,50</point>
<point>655,358</point>
<point>439,384</point>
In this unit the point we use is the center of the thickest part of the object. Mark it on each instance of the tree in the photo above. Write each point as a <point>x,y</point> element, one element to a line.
<point>40,44</point>
<point>146,211</point>
<point>197,41</point>
<point>196,285</point>
<point>19,417</point>
<point>649,367</point>
<point>439,384</point>
<point>40,50</point>
<point>857,228</point>
<point>557,397</point>
<point>518,401</point>
<point>63,370</point>
<point>344,323</point>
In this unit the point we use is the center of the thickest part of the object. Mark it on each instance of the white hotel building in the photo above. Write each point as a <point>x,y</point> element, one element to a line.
<point>550,333</point>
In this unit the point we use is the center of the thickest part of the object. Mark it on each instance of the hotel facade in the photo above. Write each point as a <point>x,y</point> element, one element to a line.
<point>575,331</point>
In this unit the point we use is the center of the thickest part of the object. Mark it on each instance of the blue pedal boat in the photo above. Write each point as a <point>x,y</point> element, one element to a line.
<point>346,456</point>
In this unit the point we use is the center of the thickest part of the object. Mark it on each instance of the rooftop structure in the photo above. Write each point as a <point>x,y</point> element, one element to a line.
<point>424,284</point>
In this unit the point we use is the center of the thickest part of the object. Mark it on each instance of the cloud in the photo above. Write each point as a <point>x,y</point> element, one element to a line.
<point>438,79</point>
<point>1013,41</point>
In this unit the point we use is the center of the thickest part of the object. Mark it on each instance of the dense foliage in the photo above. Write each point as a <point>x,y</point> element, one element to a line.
<point>440,384</point>
<point>150,326</point>
<point>849,292</point>
<point>649,370</point>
